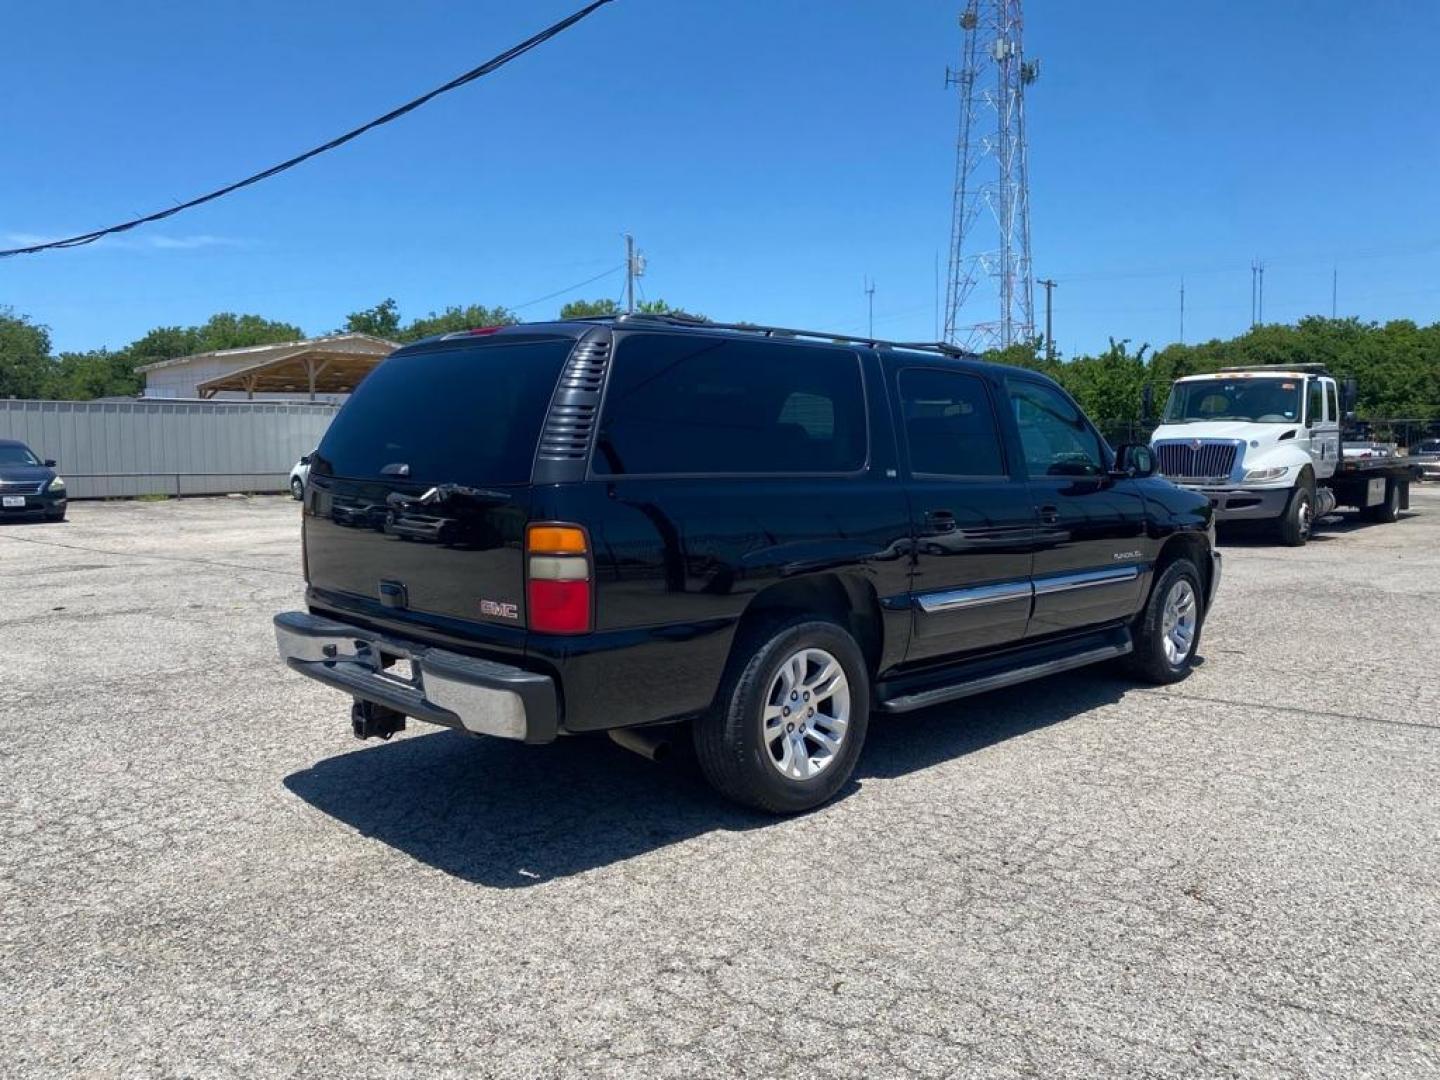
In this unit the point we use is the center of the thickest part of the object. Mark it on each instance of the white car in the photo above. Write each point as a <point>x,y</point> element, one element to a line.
<point>1428,453</point>
<point>299,477</point>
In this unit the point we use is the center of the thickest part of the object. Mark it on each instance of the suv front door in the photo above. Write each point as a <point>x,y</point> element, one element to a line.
<point>972,514</point>
<point>1091,548</point>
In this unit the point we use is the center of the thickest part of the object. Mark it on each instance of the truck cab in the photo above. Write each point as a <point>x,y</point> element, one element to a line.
<point>1264,444</point>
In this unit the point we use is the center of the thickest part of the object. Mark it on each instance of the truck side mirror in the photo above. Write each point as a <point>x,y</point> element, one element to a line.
<point>1147,401</point>
<point>1133,460</point>
<point>50,463</point>
<point>1349,392</point>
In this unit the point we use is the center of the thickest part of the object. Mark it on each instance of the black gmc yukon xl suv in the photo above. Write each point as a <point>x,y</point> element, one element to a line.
<point>759,535</point>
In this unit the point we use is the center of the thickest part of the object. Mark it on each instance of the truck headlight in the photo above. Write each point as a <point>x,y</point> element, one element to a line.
<point>1260,476</point>
<point>58,484</point>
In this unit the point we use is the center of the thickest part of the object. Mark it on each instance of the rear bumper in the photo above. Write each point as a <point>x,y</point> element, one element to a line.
<point>445,687</point>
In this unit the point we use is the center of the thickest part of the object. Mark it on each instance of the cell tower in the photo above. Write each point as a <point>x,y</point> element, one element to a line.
<point>990,221</point>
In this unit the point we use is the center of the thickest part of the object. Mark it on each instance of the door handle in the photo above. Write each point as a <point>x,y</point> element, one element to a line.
<point>940,520</point>
<point>1049,515</point>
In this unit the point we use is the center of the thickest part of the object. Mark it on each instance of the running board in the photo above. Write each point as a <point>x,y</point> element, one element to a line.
<point>982,676</point>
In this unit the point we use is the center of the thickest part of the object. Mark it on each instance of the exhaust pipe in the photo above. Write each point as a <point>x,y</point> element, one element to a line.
<point>656,747</point>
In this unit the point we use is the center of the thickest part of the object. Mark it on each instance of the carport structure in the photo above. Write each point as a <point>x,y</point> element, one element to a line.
<point>333,365</point>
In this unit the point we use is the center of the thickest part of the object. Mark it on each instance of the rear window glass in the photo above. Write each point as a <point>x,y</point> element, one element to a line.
<point>695,404</point>
<point>466,415</point>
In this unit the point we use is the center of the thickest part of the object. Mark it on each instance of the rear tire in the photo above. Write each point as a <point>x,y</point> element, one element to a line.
<point>1298,520</point>
<point>790,719</point>
<point>1388,511</point>
<point>1167,634</point>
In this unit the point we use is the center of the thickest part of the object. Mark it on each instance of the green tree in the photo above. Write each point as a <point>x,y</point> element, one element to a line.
<point>382,321</point>
<point>96,374</point>
<point>456,318</point>
<point>585,309</point>
<point>24,356</point>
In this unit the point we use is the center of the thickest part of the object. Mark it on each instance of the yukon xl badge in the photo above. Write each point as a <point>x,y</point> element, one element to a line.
<point>1127,555</point>
<point>497,610</point>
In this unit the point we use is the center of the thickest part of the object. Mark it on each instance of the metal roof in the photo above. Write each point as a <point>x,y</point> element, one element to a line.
<point>345,342</point>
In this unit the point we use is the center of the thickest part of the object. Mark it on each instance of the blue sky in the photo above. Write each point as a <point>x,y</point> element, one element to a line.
<point>768,156</point>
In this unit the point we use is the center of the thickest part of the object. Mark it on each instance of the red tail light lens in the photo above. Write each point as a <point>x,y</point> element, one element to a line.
<point>559,607</point>
<point>558,593</point>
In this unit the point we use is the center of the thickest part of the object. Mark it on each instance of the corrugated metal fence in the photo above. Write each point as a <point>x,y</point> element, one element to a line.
<point>108,449</point>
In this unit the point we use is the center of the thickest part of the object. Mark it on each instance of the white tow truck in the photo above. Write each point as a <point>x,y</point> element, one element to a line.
<point>1264,443</point>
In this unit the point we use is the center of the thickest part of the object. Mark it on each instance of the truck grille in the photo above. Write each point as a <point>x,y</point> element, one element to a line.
<point>21,487</point>
<point>1182,459</point>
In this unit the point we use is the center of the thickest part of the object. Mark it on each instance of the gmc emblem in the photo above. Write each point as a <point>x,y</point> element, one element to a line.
<point>498,610</point>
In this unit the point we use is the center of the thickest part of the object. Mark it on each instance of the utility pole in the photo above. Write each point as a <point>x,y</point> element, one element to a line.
<point>634,268</point>
<point>1262,291</point>
<point>1334,288</point>
<point>870,296</point>
<point>1049,329</point>
<point>1182,311</point>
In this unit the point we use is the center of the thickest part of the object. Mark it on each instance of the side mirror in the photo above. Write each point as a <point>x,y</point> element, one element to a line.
<point>50,463</point>
<point>1349,393</point>
<point>1133,460</point>
<point>304,459</point>
<point>1147,401</point>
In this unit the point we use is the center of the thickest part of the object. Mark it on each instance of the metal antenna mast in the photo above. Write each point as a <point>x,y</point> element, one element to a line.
<point>990,219</point>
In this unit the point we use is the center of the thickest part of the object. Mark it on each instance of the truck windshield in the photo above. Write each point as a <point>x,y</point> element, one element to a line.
<point>1260,401</point>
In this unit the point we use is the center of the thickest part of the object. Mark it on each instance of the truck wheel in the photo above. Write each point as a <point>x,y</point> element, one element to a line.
<point>297,488</point>
<point>1389,510</point>
<point>1168,631</point>
<point>790,719</point>
<point>1298,519</point>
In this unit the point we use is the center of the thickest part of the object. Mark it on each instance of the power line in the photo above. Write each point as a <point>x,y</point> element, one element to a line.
<point>568,288</point>
<point>484,69</point>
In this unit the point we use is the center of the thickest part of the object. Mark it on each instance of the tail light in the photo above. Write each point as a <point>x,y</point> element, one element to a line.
<point>559,585</point>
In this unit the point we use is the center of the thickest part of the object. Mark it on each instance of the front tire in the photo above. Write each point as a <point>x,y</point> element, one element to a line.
<point>1168,631</point>
<point>1298,520</point>
<point>297,489</point>
<point>790,719</point>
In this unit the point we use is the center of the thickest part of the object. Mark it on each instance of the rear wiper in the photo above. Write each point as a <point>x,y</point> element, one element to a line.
<point>441,493</point>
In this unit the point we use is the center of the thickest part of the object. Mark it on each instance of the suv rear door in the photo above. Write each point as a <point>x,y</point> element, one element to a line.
<point>972,514</point>
<point>419,493</point>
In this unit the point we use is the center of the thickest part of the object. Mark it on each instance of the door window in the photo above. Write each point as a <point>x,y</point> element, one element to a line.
<point>701,404</point>
<point>949,424</point>
<point>1315,408</point>
<point>1057,439</point>
<point>1331,403</point>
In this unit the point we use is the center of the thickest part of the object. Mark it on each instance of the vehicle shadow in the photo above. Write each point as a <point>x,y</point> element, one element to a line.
<point>1330,527</point>
<point>506,815</point>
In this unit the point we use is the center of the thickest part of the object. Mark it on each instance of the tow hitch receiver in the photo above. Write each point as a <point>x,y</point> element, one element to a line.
<point>372,721</point>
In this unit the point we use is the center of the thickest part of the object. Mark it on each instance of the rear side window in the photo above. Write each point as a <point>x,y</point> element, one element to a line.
<point>467,414</point>
<point>695,404</point>
<point>949,424</point>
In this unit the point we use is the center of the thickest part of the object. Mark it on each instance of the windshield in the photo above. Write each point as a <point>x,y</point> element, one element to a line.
<point>15,454</point>
<point>1261,401</point>
<point>459,413</point>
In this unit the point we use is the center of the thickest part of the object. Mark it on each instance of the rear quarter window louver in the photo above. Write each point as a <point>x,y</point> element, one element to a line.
<point>570,424</point>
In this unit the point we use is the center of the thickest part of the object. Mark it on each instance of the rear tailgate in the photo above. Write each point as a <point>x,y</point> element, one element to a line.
<point>419,493</point>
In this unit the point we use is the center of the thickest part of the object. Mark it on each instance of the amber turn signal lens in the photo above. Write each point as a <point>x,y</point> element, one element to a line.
<point>555,539</point>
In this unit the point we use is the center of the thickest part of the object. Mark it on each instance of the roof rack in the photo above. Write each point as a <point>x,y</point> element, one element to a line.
<point>942,347</point>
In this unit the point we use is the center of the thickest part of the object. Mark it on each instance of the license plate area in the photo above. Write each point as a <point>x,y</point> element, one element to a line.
<point>12,502</point>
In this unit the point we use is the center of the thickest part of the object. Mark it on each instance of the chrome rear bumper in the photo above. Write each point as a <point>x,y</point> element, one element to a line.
<point>444,687</point>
